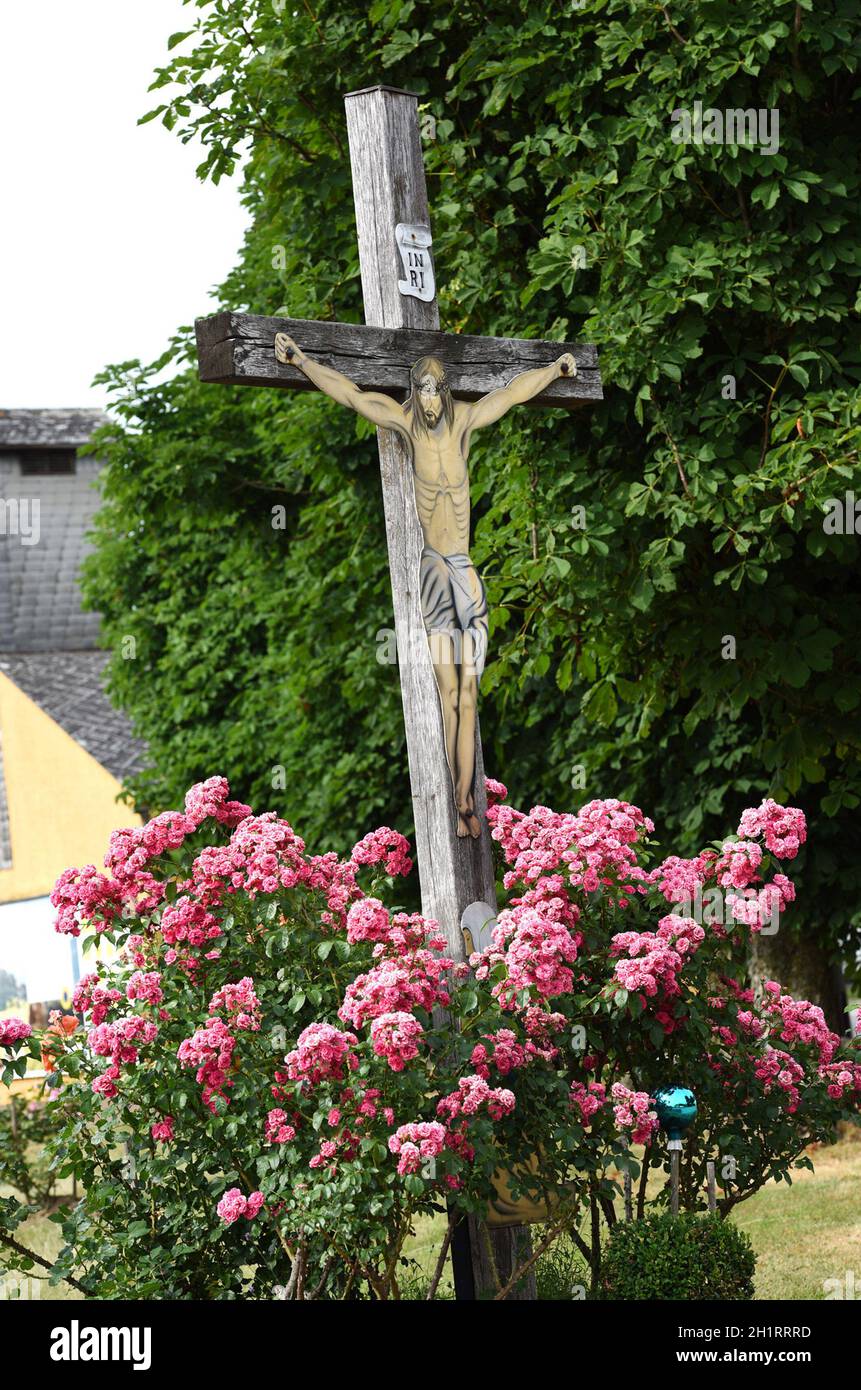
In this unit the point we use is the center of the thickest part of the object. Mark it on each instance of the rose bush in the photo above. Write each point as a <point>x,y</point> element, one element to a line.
<point>280,1073</point>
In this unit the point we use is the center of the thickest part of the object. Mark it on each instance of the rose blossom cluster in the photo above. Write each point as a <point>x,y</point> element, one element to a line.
<point>496,791</point>
<point>397,986</point>
<point>322,1053</point>
<point>589,1099</point>
<point>133,848</point>
<point>163,1129</point>
<point>398,935</point>
<point>548,895</point>
<point>210,798</point>
<point>145,986</point>
<point>597,845</point>
<point>386,847</point>
<point>120,1041</point>
<point>13,1030</point>
<point>186,923</point>
<point>87,897</point>
<point>240,1003</point>
<point>234,1204</point>
<point>416,1143</point>
<point>90,897</point>
<point>368,920</point>
<point>278,1128</point>
<point>472,1093</point>
<point>739,863</point>
<point>263,855</point>
<point>538,951</point>
<point>755,908</point>
<point>505,1053</point>
<point>796,1020</point>
<point>210,1049</point>
<point>652,961</point>
<point>408,932</point>
<point>681,880</point>
<point>777,1070</point>
<point>634,1111</point>
<point>92,997</point>
<point>782,828</point>
<point>541,1027</point>
<point>842,1079</point>
<point>396,1038</point>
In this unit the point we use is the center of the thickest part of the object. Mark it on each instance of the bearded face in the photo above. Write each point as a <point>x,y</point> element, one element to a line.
<point>430,400</point>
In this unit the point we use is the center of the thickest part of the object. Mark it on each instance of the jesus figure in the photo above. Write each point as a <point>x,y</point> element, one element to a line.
<point>437,430</point>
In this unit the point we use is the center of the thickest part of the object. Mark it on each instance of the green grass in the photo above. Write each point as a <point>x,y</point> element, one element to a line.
<point>811,1231</point>
<point>45,1238</point>
<point>803,1234</point>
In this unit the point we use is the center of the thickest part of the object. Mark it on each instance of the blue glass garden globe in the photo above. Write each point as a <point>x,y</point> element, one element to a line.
<point>676,1109</point>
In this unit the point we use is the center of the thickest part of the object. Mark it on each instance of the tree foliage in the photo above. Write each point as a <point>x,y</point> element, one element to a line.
<point>562,207</point>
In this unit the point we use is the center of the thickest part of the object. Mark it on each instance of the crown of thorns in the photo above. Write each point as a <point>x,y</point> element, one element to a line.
<point>441,379</point>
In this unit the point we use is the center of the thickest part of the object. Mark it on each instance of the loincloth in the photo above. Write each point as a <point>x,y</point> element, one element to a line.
<point>454,602</point>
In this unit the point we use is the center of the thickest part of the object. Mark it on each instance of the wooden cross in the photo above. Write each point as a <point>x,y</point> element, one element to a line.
<point>237,349</point>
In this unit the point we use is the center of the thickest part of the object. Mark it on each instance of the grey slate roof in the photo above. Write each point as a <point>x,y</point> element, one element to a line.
<point>68,686</point>
<point>48,429</point>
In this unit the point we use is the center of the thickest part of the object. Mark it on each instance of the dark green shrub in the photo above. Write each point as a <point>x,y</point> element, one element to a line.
<point>687,1256</point>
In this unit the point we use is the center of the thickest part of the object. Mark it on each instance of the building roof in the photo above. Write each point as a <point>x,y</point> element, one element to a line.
<point>69,687</point>
<point>48,429</point>
<point>40,558</point>
<point>44,539</point>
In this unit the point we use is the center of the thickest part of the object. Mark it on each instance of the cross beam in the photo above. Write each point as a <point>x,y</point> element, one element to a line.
<point>236,350</point>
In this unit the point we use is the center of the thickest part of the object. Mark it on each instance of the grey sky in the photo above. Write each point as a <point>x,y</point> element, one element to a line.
<point>108,242</point>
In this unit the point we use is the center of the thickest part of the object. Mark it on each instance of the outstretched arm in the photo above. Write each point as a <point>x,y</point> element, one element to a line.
<point>494,405</point>
<point>373,405</point>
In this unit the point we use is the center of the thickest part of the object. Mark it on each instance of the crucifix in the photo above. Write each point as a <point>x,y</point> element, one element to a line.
<point>426,391</point>
<point>436,431</point>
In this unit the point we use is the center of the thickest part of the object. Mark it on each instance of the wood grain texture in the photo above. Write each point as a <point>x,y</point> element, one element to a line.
<point>389,187</point>
<point>237,349</point>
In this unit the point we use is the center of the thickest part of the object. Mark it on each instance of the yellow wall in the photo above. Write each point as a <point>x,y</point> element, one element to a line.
<point>62,803</point>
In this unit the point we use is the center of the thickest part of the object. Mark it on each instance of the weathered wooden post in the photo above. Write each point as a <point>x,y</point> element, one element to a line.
<point>389,191</point>
<point>675,1158</point>
<point>710,1176</point>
